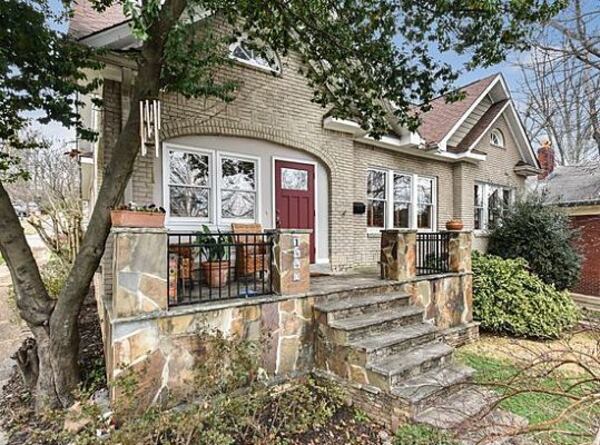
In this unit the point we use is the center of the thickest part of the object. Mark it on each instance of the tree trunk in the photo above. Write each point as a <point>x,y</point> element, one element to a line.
<point>54,323</point>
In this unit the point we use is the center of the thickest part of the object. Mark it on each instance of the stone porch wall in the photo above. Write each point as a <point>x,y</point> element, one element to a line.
<point>161,345</point>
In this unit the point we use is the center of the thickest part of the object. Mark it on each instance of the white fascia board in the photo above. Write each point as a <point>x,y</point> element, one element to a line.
<point>443,143</point>
<point>489,126</point>
<point>464,156</point>
<point>516,123</point>
<point>343,126</point>
<point>117,37</point>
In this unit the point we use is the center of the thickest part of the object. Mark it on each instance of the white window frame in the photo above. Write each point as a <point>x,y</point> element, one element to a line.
<point>499,135</point>
<point>486,188</point>
<point>410,201</point>
<point>186,220</point>
<point>413,208</point>
<point>252,62</point>
<point>386,199</point>
<point>242,157</point>
<point>214,204</point>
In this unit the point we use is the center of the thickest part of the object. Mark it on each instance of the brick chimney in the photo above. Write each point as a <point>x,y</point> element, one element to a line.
<point>546,157</point>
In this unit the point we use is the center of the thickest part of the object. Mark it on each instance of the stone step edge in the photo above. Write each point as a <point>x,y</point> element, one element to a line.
<point>375,318</point>
<point>461,376</point>
<point>383,344</point>
<point>358,302</point>
<point>387,369</point>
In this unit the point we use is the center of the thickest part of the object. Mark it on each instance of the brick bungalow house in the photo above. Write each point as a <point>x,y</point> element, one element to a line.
<point>341,201</point>
<point>576,188</point>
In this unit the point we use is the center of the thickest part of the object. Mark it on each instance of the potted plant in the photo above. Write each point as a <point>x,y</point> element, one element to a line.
<point>215,252</point>
<point>132,215</point>
<point>454,224</point>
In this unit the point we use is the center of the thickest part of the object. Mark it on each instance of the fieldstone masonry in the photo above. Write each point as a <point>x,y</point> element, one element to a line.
<point>398,254</point>
<point>375,338</point>
<point>291,268</point>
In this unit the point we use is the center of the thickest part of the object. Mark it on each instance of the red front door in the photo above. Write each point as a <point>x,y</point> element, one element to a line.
<point>295,198</point>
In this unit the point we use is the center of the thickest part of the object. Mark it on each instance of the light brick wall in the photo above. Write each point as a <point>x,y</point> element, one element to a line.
<point>279,109</point>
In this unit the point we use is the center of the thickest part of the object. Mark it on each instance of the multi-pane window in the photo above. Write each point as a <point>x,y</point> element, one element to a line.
<point>490,204</point>
<point>497,138</point>
<point>376,198</point>
<point>244,53</point>
<point>208,186</point>
<point>478,209</point>
<point>189,184</point>
<point>238,188</point>
<point>425,203</point>
<point>400,200</point>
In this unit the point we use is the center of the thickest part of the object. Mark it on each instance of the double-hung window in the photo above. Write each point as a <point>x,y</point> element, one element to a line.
<point>189,184</point>
<point>490,204</point>
<point>211,187</point>
<point>376,198</point>
<point>237,188</point>
<point>400,200</point>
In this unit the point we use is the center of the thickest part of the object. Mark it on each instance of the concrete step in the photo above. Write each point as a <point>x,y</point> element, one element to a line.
<point>400,367</point>
<point>358,326</point>
<point>365,304</point>
<point>376,347</point>
<point>424,390</point>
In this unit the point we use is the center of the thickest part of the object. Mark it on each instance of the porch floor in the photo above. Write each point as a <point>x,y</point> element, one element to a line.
<point>354,279</point>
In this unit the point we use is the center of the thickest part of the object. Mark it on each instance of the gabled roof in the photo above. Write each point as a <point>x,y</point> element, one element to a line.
<point>482,125</point>
<point>85,20</point>
<point>443,116</point>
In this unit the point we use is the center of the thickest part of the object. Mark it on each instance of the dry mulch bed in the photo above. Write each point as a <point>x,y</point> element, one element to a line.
<point>16,409</point>
<point>17,415</point>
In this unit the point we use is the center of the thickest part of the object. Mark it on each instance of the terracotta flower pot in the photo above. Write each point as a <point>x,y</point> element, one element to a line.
<point>129,218</point>
<point>216,273</point>
<point>454,224</point>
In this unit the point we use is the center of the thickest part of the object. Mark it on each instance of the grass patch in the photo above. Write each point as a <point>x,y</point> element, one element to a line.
<point>536,407</point>
<point>422,435</point>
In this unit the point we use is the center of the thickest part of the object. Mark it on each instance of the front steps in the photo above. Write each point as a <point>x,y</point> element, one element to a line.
<point>379,342</point>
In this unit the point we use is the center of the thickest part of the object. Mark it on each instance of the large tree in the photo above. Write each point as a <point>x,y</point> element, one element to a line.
<point>366,60</point>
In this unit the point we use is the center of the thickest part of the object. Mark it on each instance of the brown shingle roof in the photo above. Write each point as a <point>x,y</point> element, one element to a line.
<point>86,20</point>
<point>437,122</point>
<point>482,124</point>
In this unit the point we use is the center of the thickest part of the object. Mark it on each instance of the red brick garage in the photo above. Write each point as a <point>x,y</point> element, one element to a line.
<point>589,244</point>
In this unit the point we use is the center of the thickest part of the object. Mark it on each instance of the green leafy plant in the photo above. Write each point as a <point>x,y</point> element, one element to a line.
<point>422,435</point>
<point>508,299</point>
<point>214,246</point>
<point>541,235</point>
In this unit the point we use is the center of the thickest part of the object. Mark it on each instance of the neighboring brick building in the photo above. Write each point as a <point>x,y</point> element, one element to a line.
<point>577,189</point>
<point>467,158</point>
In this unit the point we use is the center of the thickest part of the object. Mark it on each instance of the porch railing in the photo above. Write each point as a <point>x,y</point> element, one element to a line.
<point>218,266</point>
<point>433,253</point>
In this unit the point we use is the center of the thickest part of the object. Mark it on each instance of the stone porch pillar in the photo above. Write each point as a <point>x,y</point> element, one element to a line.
<point>291,261</point>
<point>398,254</point>
<point>139,271</point>
<point>460,251</point>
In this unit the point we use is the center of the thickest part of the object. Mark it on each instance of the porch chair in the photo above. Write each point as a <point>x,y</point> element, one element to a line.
<point>249,257</point>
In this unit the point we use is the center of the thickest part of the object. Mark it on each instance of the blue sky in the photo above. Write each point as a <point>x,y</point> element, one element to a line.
<point>511,74</point>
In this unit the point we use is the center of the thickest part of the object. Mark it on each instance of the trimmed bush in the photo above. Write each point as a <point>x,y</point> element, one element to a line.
<point>540,234</point>
<point>508,299</point>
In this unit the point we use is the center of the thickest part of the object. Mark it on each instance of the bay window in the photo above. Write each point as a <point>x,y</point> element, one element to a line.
<point>210,187</point>
<point>490,204</point>
<point>400,200</point>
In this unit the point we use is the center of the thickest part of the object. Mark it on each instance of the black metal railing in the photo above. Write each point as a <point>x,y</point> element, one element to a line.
<point>433,253</point>
<point>217,266</point>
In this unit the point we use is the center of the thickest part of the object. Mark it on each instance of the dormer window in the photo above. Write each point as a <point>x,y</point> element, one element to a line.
<point>242,53</point>
<point>497,138</point>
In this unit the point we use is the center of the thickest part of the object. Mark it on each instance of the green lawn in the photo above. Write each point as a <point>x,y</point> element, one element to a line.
<point>536,407</point>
